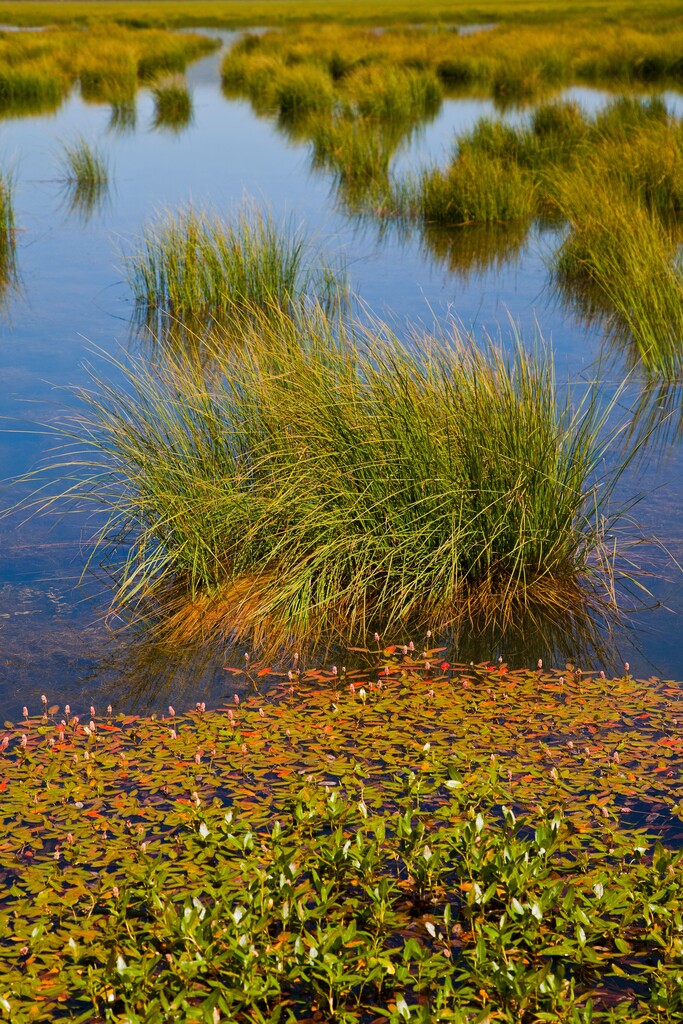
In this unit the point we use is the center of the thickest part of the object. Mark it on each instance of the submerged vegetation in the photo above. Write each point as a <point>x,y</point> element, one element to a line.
<point>415,841</point>
<point>197,269</point>
<point>323,477</point>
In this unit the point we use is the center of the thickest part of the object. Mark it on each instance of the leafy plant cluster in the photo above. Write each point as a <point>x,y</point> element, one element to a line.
<point>413,841</point>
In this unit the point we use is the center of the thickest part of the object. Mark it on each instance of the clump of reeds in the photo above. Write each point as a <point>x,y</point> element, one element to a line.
<point>85,176</point>
<point>194,267</point>
<point>7,234</point>
<point>31,88</point>
<point>481,190</point>
<point>172,103</point>
<point>618,263</point>
<point>326,476</point>
<point>298,91</point>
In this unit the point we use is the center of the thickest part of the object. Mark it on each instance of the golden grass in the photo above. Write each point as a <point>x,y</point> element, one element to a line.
<point>108,61</point>
<point>240,13</point>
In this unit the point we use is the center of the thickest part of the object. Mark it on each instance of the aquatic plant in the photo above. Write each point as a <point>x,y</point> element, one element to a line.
<point>370,842</point>
<point>172,103</point>
<point>618,262</point>
<point>30,88</point>
<point>85,176</point>
<point>480,190</point>
<point>192,266</point>
<point>323,476</point>
<point>37,70</point>
<point>7,234</point>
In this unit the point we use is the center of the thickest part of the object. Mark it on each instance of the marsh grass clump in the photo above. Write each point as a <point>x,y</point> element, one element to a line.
<point>618,263</point>
<point>482,190</point>
<point>85,176</point>
<point>7,234</point>
<point>172,103</point>
<point>324,476</point>
<point>34,87</point>
<point>194,267</point>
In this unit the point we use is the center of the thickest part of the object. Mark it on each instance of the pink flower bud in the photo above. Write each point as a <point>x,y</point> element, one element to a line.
<point>352,688</point>
<point>602,674</point>
<point>67,709</point>
<point>70,839</point>
<point>24,740</point>
<point>626,666</point>
<point>290,675</point>
<point>244,748</point>
<point>246,656</point>
<point>261,713</point>
<point>376,638</point>
<point>115,891</point>
<point>92,711</point>
<point>171,710</point>
<point>236,699</point>
<point>44,699</point>
<point>173,734</point>
<point>231,717</point>
<point>109,709</point>
<point>334,670</point>
<point>143,847</point>
<point>24,711</point>
<point>615,757</point>
<point>540,663</point>
<point>198,757</point>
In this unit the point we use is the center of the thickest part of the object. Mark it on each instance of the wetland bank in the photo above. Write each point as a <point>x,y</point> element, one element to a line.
<point>314,333</point>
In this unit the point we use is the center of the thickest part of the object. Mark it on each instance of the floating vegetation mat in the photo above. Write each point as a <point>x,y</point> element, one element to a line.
<point>416,841</point>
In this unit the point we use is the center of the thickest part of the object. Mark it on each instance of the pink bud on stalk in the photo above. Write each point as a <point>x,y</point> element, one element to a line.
<point>352,688</point>
<point>24,711</point>
<point>261,713</point>
<point>67,709</point>
<point>43,699</point>
<point>109,709</point>
<point>173,734</point>
<point>411,646</point>
<point>24,740</point>
<point>540,663</point>
<point>236,699</point>
<point>376,638</point>
<point>92,711</point>
<point>171,710</point>
<point>334,670</point>
<point>626,667</point>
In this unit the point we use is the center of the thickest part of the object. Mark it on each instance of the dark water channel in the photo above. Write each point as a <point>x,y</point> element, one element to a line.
<point>72,298</point>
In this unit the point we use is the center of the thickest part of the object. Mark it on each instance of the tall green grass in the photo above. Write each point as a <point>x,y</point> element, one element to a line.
<point>485,190</point>
<point>172,103</point>
<point>194,267</point>
<point>323,480</point>
<point>618,262</point>
<point>34,87</point>
<point>8,272</point>
<point>85,176</point>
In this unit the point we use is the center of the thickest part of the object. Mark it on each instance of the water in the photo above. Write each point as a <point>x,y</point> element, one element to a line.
<point>73,299</point>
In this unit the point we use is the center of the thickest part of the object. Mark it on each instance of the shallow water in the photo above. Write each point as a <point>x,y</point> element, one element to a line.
<point>73,298</point>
